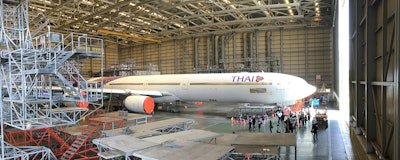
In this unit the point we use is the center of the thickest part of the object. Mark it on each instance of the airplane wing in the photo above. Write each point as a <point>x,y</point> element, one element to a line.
<point>125,92</point>
<point>131,92</point>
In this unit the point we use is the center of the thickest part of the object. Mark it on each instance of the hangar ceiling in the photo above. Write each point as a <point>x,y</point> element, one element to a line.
<point>141,21</point>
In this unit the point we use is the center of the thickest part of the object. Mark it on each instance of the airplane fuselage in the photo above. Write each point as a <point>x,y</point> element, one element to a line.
<point>265,88</point>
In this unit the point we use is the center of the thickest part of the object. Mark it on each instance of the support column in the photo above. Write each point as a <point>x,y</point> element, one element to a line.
<point>306,48</point>
<point>383,88</point>
<point>208,53</point>
<point>268,54</point>
<point>159,58</point>
<point>222,54</point>
<point>245,50</point>
<point>358,68</point>
<point>352,51</point>
<point>256,60</point>
<point>281,50</point>
<point>216,51</point>
<point>184,50</point>
<point>234,51</point>
<point>196,54</point>
<point>370,74</point>
<point>176,57</point>
<point>251,59</point>
<point>144,55</point>
<point>396,83</point>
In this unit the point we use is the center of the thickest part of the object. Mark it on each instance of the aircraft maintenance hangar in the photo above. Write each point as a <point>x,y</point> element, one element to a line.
<point>53,107</point>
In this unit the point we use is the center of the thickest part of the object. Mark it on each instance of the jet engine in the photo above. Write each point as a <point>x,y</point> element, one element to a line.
<point>139,104</point>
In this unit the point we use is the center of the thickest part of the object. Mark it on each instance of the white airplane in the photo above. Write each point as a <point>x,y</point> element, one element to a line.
<point>267,88</point>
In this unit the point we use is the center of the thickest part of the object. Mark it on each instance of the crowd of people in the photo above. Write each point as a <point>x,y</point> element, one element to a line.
<point>279,120</point>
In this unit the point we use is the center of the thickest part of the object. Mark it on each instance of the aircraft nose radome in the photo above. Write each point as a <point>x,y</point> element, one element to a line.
<point>312,89</point>
<point>306,90</point>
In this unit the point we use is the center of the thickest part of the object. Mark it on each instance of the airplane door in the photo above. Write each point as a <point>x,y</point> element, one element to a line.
<point>185,84</point>
<point>145,84</point>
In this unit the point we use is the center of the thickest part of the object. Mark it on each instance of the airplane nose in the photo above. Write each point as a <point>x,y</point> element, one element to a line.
<point>312,89</point>
<point>304,90</point>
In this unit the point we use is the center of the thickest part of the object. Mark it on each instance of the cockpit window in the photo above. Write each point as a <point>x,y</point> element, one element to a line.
<point>258,90</point>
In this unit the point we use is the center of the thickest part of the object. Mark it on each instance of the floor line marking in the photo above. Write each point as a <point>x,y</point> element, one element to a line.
<point>329,140</point>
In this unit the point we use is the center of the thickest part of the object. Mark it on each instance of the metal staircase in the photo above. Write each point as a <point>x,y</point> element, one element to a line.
<point>30,67</point>
<point>57,138</point>
<point>61,50</point>
<point>38,23</point>
<point>80,141</point>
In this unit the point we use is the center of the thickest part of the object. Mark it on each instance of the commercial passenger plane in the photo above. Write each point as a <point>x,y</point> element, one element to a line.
<point>267,88</point>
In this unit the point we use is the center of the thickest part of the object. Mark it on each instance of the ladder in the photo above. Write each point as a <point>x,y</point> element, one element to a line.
<point>79,141</point>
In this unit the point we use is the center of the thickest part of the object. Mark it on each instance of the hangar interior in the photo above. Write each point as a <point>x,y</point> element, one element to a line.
<point>135,37</point>
<point>174,37</point>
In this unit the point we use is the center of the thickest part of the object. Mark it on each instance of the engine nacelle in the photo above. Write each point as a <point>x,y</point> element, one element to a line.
<point>139,104</point>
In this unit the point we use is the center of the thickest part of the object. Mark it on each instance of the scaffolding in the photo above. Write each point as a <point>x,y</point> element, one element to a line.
<point>49,137</point>
<point>82,147</point>
<point>38,75</point>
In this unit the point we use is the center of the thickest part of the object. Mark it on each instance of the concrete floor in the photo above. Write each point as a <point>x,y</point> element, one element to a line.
<point>333,142</point>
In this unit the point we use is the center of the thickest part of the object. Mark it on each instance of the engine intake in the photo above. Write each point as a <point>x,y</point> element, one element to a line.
<point>139,104</point>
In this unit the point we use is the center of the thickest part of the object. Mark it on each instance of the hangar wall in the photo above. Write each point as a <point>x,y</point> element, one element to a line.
<point>374,78</point>
<point>304,52</point>
<point>91,67</point>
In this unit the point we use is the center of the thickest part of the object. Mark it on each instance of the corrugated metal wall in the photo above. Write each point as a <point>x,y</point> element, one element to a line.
<point>92,66</point>
<point>304,52</point>
<point>374,75</point>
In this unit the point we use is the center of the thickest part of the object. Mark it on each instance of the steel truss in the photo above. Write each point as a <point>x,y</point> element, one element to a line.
<point>38,75</point>
<point>178,19</point>
<point>26,152</point>
<point>53,139</point>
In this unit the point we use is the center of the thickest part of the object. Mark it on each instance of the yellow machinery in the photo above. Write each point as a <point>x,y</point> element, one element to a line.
<point>322,117</point>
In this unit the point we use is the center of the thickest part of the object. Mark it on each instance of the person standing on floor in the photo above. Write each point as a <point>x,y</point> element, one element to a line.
<point>232,121</point>
<point>291,125</point>
<point>278,129</point>
<point>254,122</point>
<point>302,119</point>
<point>250,121</point>
<point>260,122</point>
<point>314,131</point>
<point>270,126</point>
<point>279,115</point>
